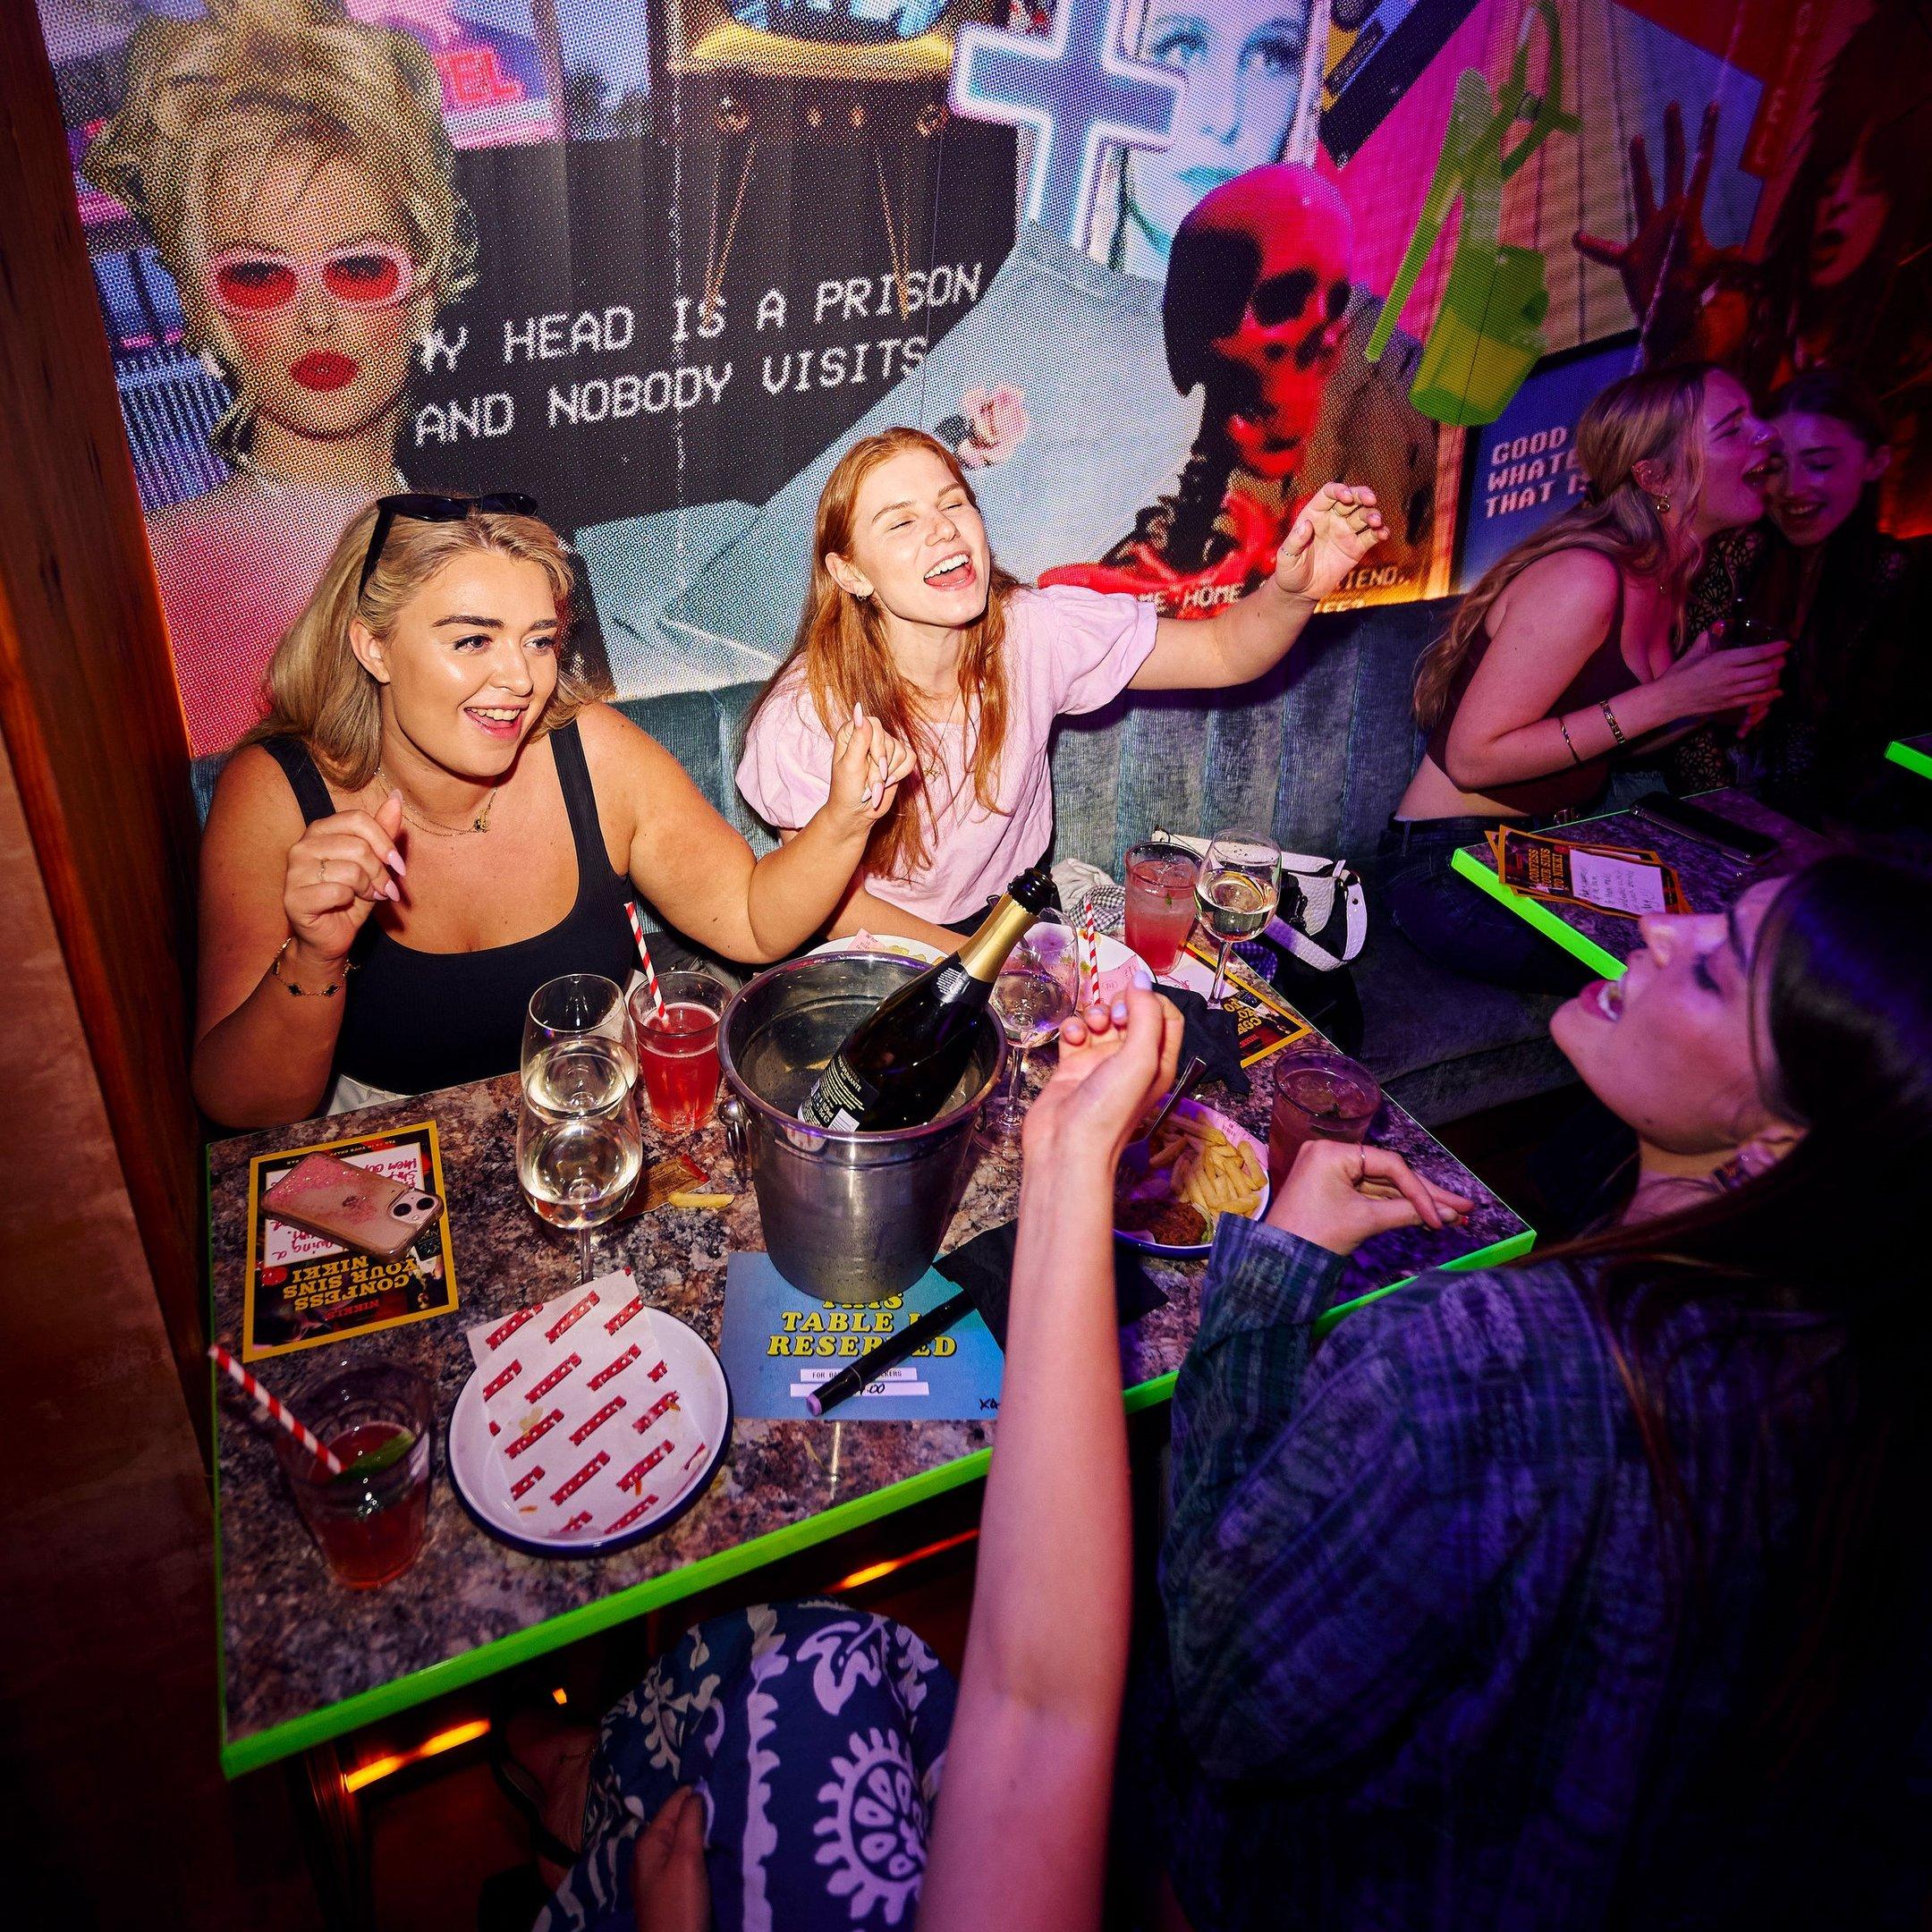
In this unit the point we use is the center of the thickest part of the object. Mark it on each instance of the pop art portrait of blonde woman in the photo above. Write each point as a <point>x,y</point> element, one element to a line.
<point>291,166</point>
<point>1253,72</point>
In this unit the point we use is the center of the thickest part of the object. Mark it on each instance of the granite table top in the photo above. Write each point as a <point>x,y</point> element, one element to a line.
<point>1711,878</point>
<point>304,1660</point>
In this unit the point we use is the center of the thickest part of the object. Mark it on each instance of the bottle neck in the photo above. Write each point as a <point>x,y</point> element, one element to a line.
<point>982,956</point>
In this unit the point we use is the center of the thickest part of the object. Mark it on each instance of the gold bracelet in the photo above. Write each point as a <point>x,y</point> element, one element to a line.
<point>302,992</point>
<point>1609,718</point>
<point>1563,725</point>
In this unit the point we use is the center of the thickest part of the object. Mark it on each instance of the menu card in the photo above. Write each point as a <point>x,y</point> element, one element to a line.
<point>778,1344</point>
<point>1607,879</point>
<point>1267,1023</point>
<point>303,1290</point>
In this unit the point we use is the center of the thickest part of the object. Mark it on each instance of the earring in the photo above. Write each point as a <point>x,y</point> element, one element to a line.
<point>1662,505</point>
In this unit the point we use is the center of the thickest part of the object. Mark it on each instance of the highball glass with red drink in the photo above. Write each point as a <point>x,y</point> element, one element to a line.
<point>1160,902</point>
<point>1319,1095</point>
<point>369,1523</point>
<point>678,1048</point>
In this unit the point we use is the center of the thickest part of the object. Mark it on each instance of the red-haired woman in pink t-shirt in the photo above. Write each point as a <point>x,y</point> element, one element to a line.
<point>908,616</point>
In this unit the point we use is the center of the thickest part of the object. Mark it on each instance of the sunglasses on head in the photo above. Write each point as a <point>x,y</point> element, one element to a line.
<point>359,274</point>
<point>430,509</point>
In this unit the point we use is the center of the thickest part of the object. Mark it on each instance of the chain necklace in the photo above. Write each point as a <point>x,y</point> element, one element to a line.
<point>481,823</point>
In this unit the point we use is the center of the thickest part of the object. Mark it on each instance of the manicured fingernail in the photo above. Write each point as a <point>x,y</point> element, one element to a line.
<point>391,890</point>
<point>394,860</point>
<point>1120,1012</point>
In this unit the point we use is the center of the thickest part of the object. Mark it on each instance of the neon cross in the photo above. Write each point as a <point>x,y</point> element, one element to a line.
<point>1079,93</point>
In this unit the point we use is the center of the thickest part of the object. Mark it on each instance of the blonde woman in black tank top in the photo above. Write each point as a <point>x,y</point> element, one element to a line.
<point>438,795</point>
<point>1565,656</point>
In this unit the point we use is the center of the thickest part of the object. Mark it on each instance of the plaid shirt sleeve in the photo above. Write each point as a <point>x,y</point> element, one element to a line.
<point>1315,1574</point>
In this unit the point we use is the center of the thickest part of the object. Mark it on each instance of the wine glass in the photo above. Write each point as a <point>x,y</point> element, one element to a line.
<point>576,1167</point>
<point>1037,989</point>
<point>579,1049</point>
<point>1237,891</point>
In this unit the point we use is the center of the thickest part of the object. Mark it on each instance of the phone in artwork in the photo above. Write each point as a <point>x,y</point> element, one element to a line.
<point>351,1205</point>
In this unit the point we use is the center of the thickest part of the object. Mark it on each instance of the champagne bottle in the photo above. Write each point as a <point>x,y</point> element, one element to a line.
<point>899,1065</point>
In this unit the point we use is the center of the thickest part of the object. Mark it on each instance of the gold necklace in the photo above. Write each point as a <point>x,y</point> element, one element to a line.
<point>481,823</point>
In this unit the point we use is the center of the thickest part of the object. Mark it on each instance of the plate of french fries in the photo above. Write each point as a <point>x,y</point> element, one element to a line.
<point>1199,1166</point>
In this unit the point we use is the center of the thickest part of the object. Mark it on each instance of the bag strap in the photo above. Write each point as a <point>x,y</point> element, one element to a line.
<point>1292,938</point>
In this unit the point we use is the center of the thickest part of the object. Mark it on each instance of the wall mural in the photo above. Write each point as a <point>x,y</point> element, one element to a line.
<point>1157,268</point>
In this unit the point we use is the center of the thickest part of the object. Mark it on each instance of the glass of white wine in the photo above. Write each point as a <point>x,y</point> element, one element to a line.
<point>1237,891</point>
<point>1035,990</point>
<point>580,1047</point>
<point>577,1169</point>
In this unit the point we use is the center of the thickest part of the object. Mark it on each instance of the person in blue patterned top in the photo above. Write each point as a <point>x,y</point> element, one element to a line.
<point>1589,1592</point>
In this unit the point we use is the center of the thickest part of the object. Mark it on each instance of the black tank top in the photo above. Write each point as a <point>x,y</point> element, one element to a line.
<point>1603,674</point>
<point>412,1021</point>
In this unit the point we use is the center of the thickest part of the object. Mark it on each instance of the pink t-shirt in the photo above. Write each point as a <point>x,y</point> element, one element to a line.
<point>1067,650</point>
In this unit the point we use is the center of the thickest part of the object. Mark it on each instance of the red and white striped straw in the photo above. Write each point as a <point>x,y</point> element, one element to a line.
<point>1093,950</point>
<point>643,953</point>
<point>272,1407</point>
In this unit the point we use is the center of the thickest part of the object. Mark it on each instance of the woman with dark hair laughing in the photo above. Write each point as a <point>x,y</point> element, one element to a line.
<point>1590,1592</point>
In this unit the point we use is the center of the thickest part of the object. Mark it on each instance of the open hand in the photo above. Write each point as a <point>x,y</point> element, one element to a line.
<point>1337,1195</point>
<point>1668,265</point>
<point>337,872</point>
<point>868,765</point>
<point>1335,529</point>
<point>1115,1063</point>
<point>670,1889</point>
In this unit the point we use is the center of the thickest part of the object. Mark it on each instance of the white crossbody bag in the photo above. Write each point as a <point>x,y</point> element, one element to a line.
<point>1324,922</point>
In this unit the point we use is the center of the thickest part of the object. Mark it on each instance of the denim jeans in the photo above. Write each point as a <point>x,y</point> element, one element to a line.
<point>1453,921</point>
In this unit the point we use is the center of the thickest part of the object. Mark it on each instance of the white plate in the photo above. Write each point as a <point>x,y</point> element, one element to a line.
<point>471,1475</point>
<point>916,949</point>
<point>1241,1137</point>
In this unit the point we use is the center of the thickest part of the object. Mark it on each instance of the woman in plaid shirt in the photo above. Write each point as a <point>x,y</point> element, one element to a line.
<point>1590,1592</point>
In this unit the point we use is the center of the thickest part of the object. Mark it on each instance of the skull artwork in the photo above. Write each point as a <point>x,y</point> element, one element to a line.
<point>1256,309</point>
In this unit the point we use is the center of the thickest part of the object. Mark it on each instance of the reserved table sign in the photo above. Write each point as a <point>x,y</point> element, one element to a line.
<point>778,1344</point>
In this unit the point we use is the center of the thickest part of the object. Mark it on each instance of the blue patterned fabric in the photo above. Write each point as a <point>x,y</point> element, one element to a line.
<point>1431,1665</point>
<point>814,1733</point>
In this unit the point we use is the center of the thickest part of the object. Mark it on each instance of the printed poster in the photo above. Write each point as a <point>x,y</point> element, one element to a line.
<point>302,1290</point>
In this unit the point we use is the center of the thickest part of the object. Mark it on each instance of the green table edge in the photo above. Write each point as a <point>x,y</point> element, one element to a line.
<point>520,1646</point>
<point>1910,757</point>
<point>1538,915</point>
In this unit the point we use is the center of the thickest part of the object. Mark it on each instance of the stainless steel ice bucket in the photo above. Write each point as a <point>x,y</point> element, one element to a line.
<point>849,1217</point>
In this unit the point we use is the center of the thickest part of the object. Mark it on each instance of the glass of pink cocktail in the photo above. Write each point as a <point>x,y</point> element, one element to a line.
<point>1160,902</point>
<point>678,1048</point>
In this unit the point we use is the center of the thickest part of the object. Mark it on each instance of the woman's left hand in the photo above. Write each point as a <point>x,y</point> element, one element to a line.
<point>868,765</point>
<point>1337,526</point>
<point>1338,1194</point>
<point>1115,1063</point>
<point>670,1888</point>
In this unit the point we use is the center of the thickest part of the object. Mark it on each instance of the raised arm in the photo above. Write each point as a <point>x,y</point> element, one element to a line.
<point>862,909</point>
<point>281,905</point>
<point>1020,1839</point>
<point>702,874</point>
<point>1336,529</point>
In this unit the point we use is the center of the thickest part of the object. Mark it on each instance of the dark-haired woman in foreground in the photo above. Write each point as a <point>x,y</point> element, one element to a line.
<point>1591,1592</point>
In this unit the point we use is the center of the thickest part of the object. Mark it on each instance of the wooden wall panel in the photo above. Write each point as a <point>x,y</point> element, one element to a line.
<point>87,703</point>
<point>116,1811</point>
